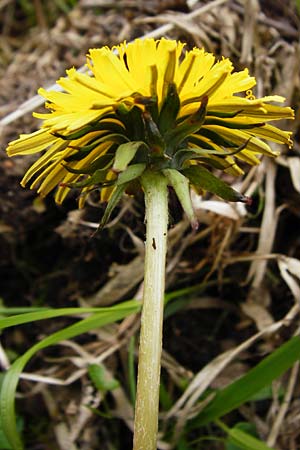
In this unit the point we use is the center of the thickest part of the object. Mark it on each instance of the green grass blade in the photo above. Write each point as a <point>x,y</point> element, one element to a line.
<point>101,379</point>
<point>187,291</point>
<point>20,319</point>
<point>7,407</point>
<point>256,379</point>
<point>131,370</point>
<point>242,436</point>
<point>245,441</point>
<point>7,311</point>
<point>19,316</point>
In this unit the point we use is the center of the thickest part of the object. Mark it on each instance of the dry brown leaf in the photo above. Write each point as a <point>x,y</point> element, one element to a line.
<point>279,419</point>
<point>126,277</point>
<point>290,269</point>
<point>268,227</point>
<point>258,314</point>
<point>234,212</point>
<point>250,23</point>
<point>294,166</point>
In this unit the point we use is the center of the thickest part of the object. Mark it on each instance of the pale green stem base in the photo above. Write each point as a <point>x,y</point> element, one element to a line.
<point>147,397</point>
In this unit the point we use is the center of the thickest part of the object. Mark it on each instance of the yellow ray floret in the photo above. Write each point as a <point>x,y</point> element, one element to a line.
<point>126,96</point>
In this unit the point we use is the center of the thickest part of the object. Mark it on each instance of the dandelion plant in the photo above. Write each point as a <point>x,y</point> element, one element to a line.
<point>148,116</point>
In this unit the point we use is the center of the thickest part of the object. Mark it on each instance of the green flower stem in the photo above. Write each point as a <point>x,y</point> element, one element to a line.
<point>147,397</point>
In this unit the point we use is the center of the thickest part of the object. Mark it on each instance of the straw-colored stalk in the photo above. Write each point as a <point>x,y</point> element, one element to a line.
<point>147,400</point>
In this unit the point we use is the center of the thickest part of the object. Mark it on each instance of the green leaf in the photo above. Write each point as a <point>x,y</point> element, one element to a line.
<point>165,399</point>
<point>154,136</point>
<point>131,173</point>
<point>183,155</point>
<point>76,134</point>
<point>131,117</point>
<point>234,125</point>
<point>7,408</point>
<point>83,151</point>
<point>101,379</point>
<point>224,115</point>
<point>242,436</point>
<point>99,177</point>
<point>112,203</point>
<point>131,369</point>
<point>125,154</point>
<point>247,427</point>
<point>169,109</point>
<point>244,441</point>
<point>47,314</point>
<point>186,127</point>
<point>204,179</point>
<point>104,125</point>
<point>101,163</point>
<point>203,154</point>
<point>256,379</point>
<point>7,311</point>
<point>267,393</point>
<point>181,186</point>
<point>216,162</point>
<point>4,444</point>
<point>217,138</point>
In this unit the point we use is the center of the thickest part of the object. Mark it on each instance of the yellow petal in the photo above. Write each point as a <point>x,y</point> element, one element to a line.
<point>240,137</point>
<point>195,65</point>
<point>28,144</point>
<point>43,161</point>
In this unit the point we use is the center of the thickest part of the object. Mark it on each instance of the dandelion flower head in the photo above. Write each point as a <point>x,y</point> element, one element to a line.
<point>148,105</point>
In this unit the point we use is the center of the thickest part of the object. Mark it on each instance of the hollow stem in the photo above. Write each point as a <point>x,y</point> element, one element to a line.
<point>147,396</point>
